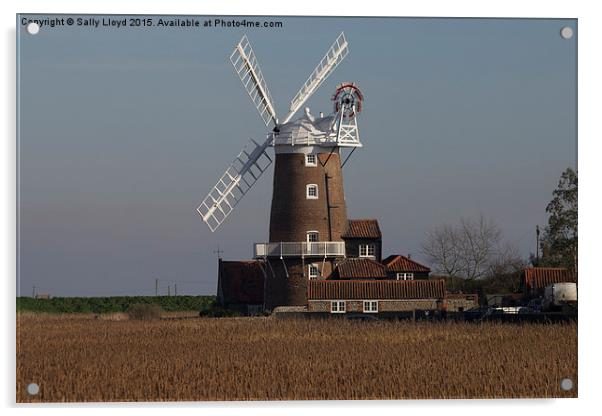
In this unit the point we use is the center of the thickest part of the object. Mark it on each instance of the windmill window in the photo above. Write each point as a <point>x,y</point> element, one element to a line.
<point>405,276</point>
<point>312,191</point>
<point>311,160</point>
<point>337,306</point>
<point>313,271</point>
<point>367,250</point>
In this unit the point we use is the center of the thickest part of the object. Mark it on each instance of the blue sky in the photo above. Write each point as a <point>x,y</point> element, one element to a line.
<point>124,131</point>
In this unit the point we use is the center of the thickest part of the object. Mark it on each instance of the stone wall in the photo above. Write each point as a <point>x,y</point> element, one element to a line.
<point>392,305</point>
<point>455,303</point>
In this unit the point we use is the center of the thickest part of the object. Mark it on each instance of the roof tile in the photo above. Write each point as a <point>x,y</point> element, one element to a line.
<point>376,289</point>
<point>360,268</point>
<point>362,228</point>
<point>540,277</point>
<point>398,263</point>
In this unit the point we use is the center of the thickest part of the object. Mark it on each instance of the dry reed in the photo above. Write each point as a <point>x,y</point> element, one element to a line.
<point>81,359</point>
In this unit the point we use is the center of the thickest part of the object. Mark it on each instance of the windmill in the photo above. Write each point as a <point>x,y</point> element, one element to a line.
<point>308,212</point>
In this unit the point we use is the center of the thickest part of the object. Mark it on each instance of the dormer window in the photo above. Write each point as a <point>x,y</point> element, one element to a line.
<point>405,276</point>
<point>311,160</point>
<point>367,250</point>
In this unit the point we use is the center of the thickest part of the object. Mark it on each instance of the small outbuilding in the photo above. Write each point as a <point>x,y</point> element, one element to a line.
<point>535,279</point>
<point>403,268</point>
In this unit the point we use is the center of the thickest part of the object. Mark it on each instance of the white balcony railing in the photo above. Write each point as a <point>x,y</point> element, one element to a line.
<point>300,249</point>
<point>311,139</point>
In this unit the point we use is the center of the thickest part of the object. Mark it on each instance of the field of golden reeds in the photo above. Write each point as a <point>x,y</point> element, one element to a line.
<point>88,358</point>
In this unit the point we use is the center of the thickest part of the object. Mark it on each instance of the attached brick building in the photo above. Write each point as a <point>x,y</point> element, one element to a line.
<point>357,281</point>
<point>363,239</point>
<point>359,268</point>
<point>240,286</point>
<point>375,296</point>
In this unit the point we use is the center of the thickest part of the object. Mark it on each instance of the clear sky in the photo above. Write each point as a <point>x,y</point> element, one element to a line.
<point>123,131</point>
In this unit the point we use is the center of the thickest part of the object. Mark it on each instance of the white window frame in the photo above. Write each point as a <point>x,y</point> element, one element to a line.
<point>405,276</point>
<point>338,306</point>
<point>311,267</point>
<point>370,306</point>
<point>310,163</point>
<point>311,186</point>
<point>367,248</point>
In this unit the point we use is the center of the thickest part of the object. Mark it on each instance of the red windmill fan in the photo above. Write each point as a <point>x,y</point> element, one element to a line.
<point>348,99</point>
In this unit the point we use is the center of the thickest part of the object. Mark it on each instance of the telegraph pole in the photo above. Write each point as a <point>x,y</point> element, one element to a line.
<point>156,287</point>
<point>537,247</point>
<point>168,290</point>
<point>175,289</point>
<point>33,292</point>
<point>218,252</point>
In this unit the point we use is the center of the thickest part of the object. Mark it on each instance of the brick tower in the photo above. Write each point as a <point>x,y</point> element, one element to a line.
<point>308,213</point>
<point>307,219</point>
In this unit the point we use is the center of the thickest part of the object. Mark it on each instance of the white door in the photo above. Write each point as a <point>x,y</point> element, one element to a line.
<point>312,238</point>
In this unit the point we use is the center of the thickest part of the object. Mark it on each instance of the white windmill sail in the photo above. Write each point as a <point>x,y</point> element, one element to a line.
<point>337,52</point>
<point>238,179</point>
<point>248,70</point>
<point>253,160</point>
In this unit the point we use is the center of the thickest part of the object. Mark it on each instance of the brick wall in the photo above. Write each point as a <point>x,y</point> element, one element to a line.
<point>292,214</point>
<point>281,290</point>
<point>352,247</point>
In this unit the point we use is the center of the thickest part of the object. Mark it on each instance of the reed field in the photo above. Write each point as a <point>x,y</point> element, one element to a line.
<point>112,358</point>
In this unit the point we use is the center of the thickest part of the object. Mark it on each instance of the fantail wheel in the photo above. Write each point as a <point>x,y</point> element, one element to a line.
<point>348,99</point>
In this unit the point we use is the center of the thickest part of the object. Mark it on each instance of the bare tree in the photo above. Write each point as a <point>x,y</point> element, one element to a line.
<point>507,261</point>
<point>442,248</point>
<point>506,268</point>
<point>471,250</point>
<point>479,240</point>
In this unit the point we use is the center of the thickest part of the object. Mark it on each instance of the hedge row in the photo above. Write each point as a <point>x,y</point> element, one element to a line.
<point>115,304</point>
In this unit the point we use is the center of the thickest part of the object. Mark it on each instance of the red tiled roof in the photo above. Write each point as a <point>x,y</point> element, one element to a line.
<point>540,277</point>
<point>241,282</point>
<point>376,289</point>
<point>398,263</point>
<point>354,268</point>
<point>364,228</point>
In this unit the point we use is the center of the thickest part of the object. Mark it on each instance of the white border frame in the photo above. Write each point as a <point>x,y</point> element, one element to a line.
<point>590,147</point>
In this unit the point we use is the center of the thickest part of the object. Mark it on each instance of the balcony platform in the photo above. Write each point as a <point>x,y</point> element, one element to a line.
<point>299,249</point>
<point>328,140</point>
